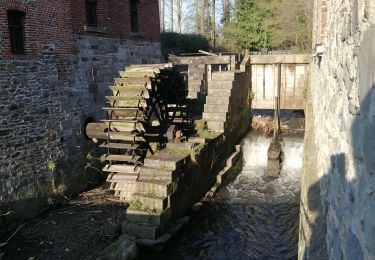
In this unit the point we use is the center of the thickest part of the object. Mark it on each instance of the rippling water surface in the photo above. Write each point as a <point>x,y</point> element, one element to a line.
<point>252,218</point>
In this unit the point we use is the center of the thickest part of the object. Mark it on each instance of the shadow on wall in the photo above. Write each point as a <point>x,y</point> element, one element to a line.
<point>344,198</point>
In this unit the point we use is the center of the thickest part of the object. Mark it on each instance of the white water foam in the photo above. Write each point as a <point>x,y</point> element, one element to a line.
<point>255,149</point>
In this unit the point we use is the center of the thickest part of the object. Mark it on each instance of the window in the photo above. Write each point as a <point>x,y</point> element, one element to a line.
<point>91,17</point>
<point>134,15</point>
<point>16,21</point>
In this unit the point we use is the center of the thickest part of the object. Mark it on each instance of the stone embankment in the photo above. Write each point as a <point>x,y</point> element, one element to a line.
<point>337,198</point>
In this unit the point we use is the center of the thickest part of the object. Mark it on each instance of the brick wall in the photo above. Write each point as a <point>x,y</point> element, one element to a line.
<point>114,19</point>
<point>45,23</point>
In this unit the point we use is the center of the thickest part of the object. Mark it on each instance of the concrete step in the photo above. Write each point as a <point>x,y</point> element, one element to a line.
<point>219,92</point>
<point>121,168</point>
<point>220,84</point>
<point>164,164</point>
<point>215,116</point>
<point>219,76</point>
<point>216,125</point>
<point>122,177</point>
<point>153,218</point>
<point>217,100</point>
<point>151,202</point>
<point>210,108</point>
<point>142,230</point>
<point>124,190</point>
<point>154,188</point>
<point>157,174</point>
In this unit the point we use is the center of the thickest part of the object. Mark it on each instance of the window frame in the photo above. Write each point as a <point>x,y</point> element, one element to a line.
<point>16,26</point>
<point>134,18</point>
<point>91,7</point>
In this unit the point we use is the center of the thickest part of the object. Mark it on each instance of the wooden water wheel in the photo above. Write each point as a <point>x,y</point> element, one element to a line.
<point>146,101</point>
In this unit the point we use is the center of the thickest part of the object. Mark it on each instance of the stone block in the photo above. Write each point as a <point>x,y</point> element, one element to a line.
<point>223,76</point>
<point>152,202</point>
<point>215,116</point>
<point>209,108</point>
<point>218,100</point>
<point>218,92</point>
<point>216,125</point>
<point>158,218</point>
<point>158,174</point>
<point>160,164</point>
<point>142,230</point>
<point>220,84</point>
<point>154,188</point>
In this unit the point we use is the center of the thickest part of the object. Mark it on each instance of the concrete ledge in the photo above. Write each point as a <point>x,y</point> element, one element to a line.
<point>291,58</point>
<point>94,29</point>
<point>228,173</point>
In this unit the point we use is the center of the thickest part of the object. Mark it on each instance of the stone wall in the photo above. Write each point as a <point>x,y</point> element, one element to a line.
<point>44,105</point>
<point>338,191</point>
<point>98,62</point>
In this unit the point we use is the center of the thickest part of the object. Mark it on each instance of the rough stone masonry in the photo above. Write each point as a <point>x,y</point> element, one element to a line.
<point>338,182</point>
<point>58,83</point>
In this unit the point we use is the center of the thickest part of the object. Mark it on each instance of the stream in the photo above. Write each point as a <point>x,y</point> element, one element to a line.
<point>254,217</point>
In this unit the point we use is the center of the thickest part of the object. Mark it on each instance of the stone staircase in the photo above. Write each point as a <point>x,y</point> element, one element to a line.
<point>149,214</point>
<point>196,76</point>
<point>196,86</point>
<point>217,107</point>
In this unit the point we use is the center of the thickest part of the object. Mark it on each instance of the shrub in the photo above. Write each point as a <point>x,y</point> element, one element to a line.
<point>175,43</point>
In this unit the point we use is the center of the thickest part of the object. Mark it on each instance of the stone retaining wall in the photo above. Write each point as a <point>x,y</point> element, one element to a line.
<point>338,193</point>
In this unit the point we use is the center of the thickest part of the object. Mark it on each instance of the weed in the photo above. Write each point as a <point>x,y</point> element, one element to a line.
<point>92,161</point>
<point>51,165</point>
<point>151,193</point>
<point>194,151</point>
<point>50,201</point>
<point>206,133</point>
<point>61,189</point>
<point>251,95</point>
<point>135,204</point>
<point>306,92</point>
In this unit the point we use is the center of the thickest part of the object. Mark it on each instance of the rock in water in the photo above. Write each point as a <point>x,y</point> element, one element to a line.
<point>274,159</point>
<point>123,249</point>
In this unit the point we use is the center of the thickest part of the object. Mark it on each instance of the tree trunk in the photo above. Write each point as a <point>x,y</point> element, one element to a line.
<point>171,10</point>
<point>213,23</point>
<point>179,16</point>
<point>161,14</point>
<point>196,11</point>
<point>203,13</point>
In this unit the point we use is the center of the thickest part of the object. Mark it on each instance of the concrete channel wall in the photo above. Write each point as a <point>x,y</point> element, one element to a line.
<point>338,182</point>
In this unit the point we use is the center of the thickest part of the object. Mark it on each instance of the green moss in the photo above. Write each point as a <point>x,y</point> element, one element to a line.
<point>206,133</point>
<point>236,169</point>
<point>135,204</point>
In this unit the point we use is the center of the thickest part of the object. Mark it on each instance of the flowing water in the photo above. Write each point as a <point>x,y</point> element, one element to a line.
<point>254,217</point>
